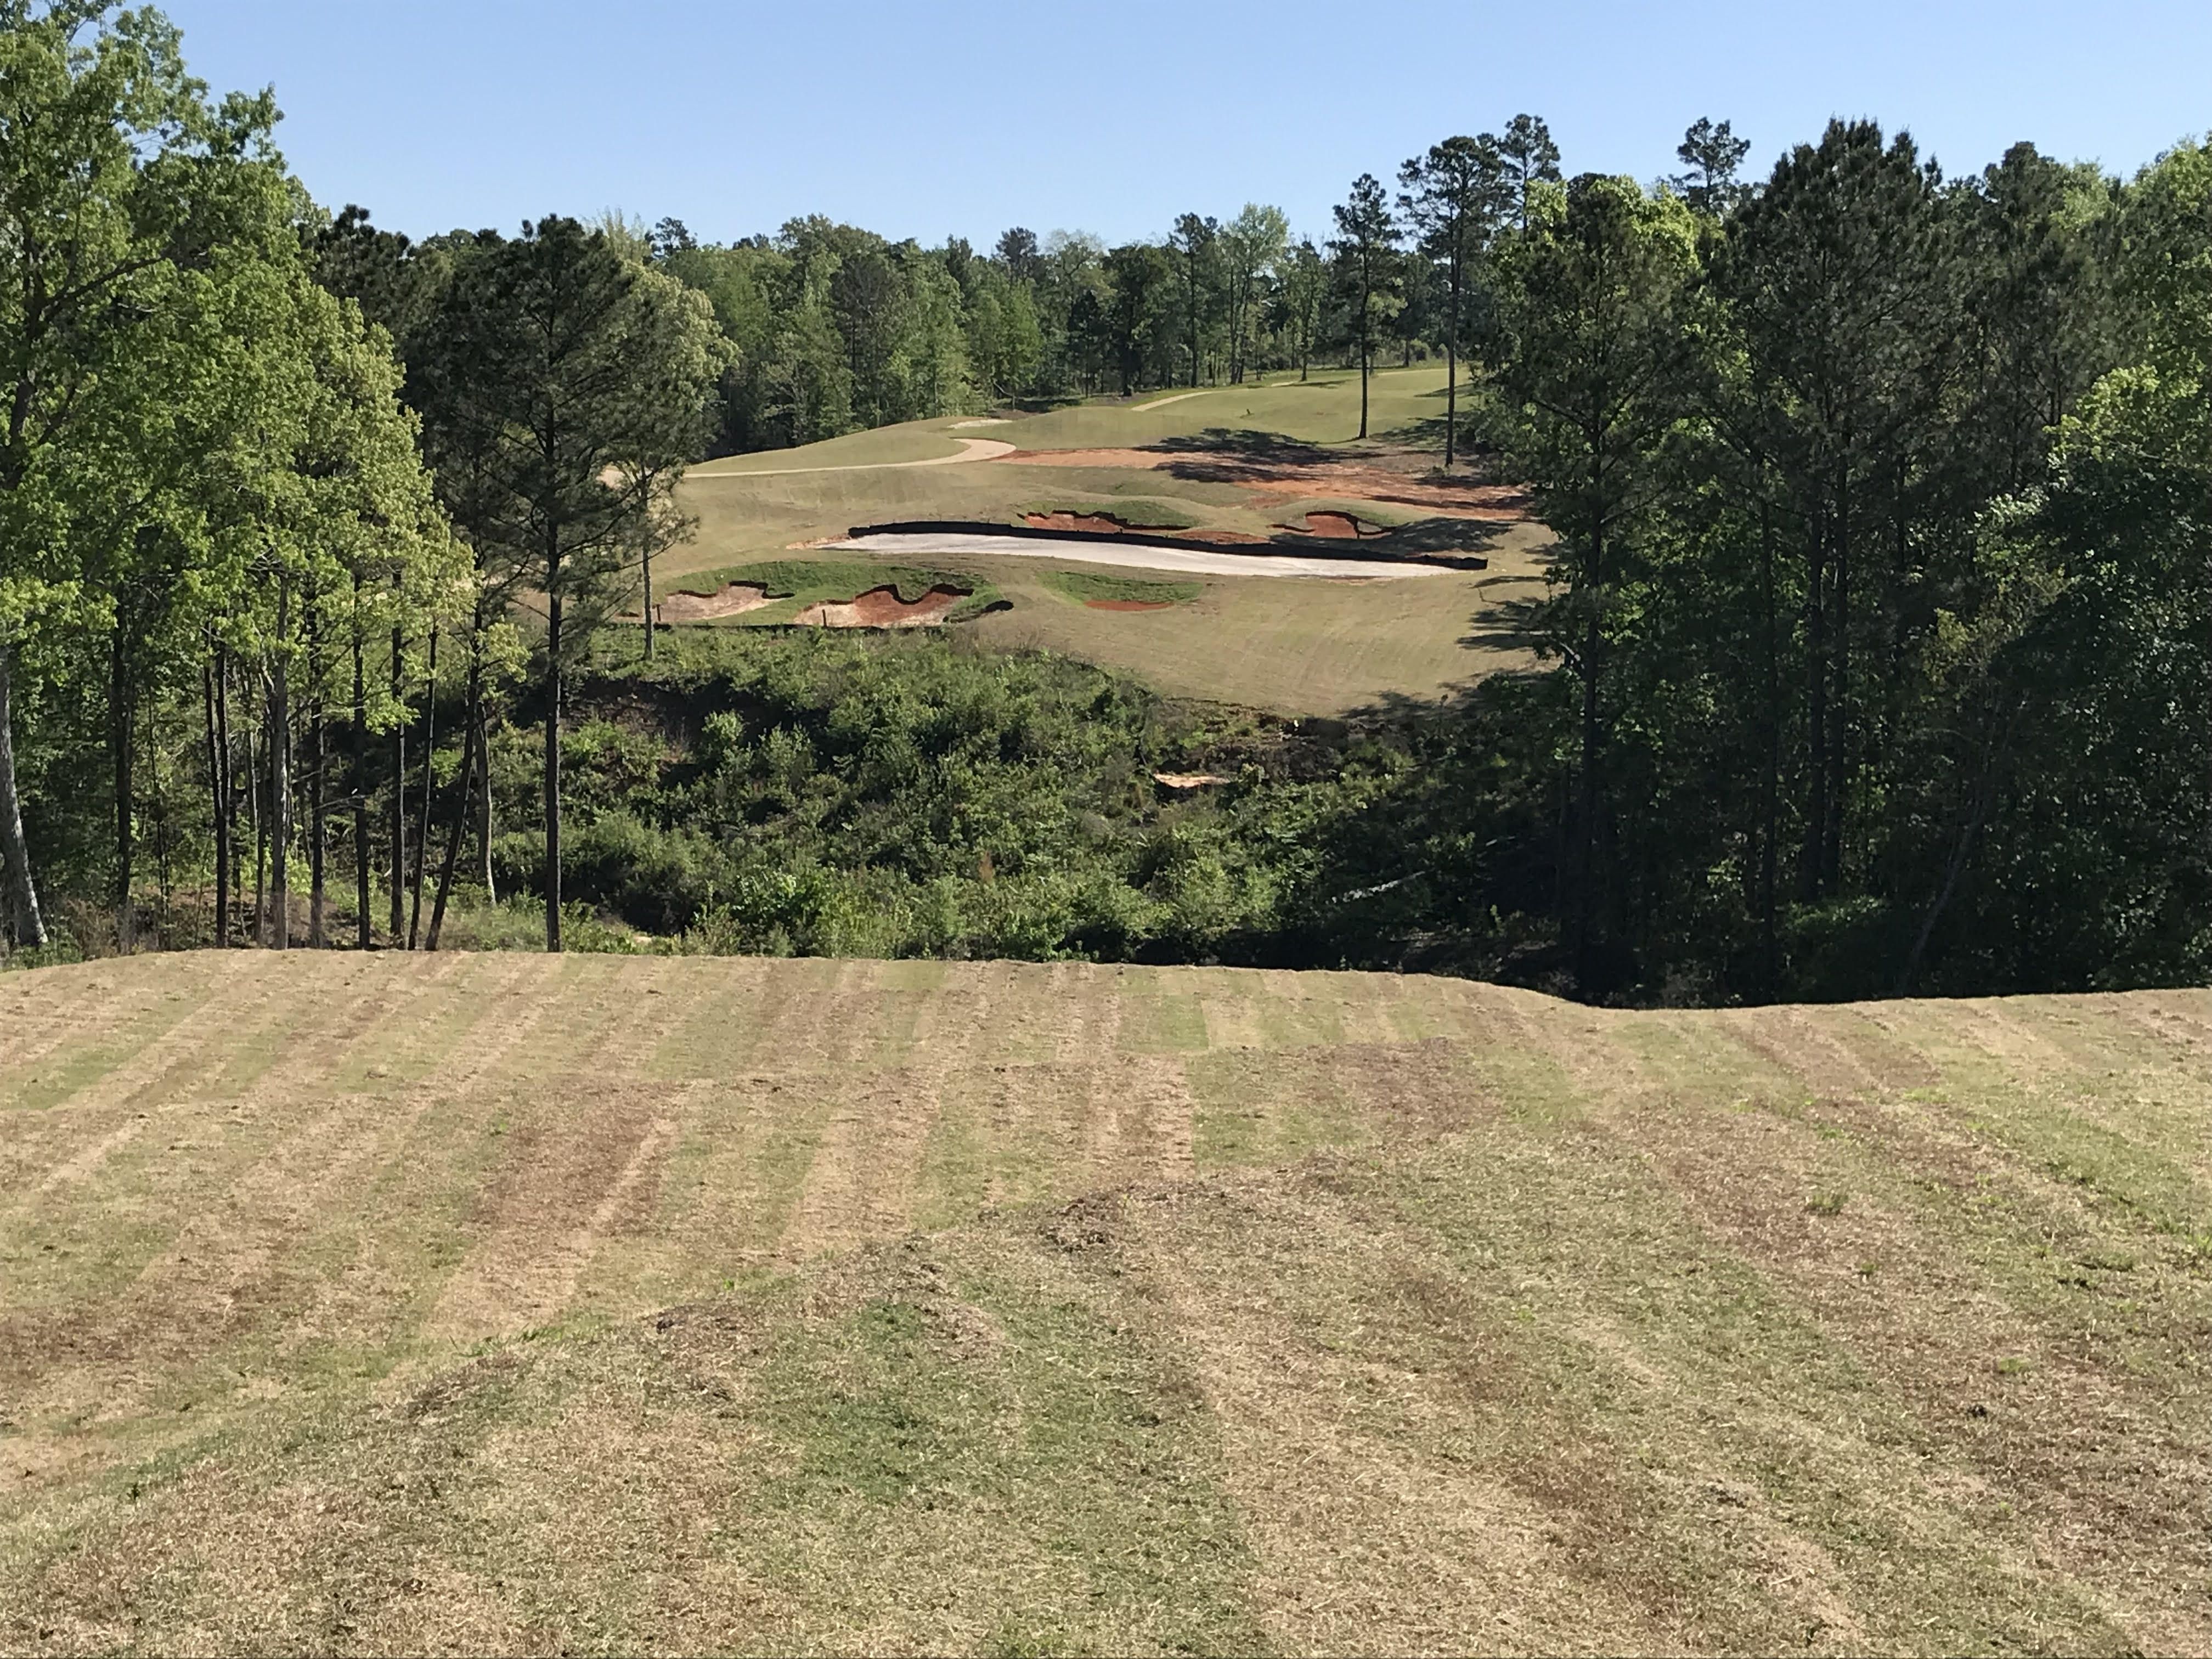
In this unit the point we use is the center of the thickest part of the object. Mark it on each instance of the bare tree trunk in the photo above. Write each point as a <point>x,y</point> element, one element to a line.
<point>160,816</point>
<point>483,823</point>
<point>29,926</point>
<point>119,710</point>
<point>215,795</point>
<point>318,759</point>
<point>258,815</point>
<point>647,563</point>
<point>553,773</point>
<point>226,811</point>
<point>280,774</point>
<point>461,798</point>
<point>422,824</point>
<point>360,778</point>
<point>398,801</point>
<point>1451,362</point>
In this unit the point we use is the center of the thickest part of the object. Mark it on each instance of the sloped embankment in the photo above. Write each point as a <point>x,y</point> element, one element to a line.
<point>501,1303</point>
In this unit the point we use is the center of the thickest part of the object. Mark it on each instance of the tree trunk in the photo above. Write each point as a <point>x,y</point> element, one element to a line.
<point>398,815</point>
<point>226,827</point>
<point>461,798</point>
<point>1770,782</point>
<point>319,755</point>
<point>484,822</point>
<point>553,773</point>
<point>1586,830</point>
<point>1451,365</point>
<point>215,795</point>
<point>1839,718</point>
<point>120,746</point>
<point>29,926</point>
<point>422,824</point>
<point>646,562</point>
<point>257,808</point>
<point>280,774</point>
<point>360,779</point>
<point>160,816</point>
<point>1816,705</point>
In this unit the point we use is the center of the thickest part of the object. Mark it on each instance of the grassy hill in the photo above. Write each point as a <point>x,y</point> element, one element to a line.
<point>1301,648</point>
<point>505,1302</point>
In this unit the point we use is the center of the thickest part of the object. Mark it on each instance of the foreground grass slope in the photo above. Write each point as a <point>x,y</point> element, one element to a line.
<point>511,1303</point>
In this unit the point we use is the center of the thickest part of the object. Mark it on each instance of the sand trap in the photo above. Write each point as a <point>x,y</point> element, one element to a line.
<point>1136,556</point>
<point>731,601</point>
<point>1180,397</point>
<point>971,449</point>
<point>1102,524</point>
<point>1129,604</point>
<point>881,607</point>
<point>990,420</point>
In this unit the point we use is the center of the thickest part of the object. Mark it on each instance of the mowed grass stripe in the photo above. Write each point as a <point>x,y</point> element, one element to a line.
<point>977,1306</point>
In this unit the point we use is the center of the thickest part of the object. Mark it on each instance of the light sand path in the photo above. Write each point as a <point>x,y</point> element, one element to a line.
<point>971,449</point>
<point>1180,397</point>
<point>1136,556</point>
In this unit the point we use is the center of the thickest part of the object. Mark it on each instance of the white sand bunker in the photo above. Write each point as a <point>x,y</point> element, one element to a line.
<point>1136,556</point>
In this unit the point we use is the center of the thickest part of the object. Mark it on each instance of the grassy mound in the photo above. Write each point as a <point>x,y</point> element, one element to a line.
<point>1084,586</point>
<point>501,1303</point>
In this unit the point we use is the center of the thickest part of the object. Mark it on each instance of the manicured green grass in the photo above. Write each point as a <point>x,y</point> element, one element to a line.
<point>1084,586</point>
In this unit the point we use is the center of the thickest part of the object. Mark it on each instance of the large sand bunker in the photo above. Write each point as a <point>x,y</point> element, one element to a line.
<point>1335,527</point>
<point>881,607</point>
<point>1136,556</point>
<point>731,601</point>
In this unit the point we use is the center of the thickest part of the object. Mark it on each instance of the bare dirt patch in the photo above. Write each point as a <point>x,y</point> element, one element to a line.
<point>1129,604</point>
<point>1335,527</point>
<point>881,607</point>
<point>731,601</point>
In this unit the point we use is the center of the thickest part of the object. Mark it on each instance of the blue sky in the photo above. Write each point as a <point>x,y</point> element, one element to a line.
<point>937,119</point>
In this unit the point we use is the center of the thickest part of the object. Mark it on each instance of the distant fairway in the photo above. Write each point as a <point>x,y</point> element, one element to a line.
<point>1318,654</point>
<point>511,1303</point>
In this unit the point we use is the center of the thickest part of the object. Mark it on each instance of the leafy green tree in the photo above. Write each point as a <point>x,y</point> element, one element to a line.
<point>1135,318</point>
<point>1454,199</point>
<point>1302,296</point>
<point>119,189</point>
<point>1195,245</point>
<point>1588,400</point>
<point>1711,154</point>
<point>1252,245</point>
<point>1366,246</point>
<point>1530,159</point>
<point>554,379</point>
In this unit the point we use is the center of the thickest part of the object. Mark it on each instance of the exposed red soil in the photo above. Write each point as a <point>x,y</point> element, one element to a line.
<point>1334,527</point>
<point>1096,523</point>
<point>1272,478</point>
<point>1129,604</point>
<point>1102,524</point>
<point>731,601</point>
<point>881,607</point>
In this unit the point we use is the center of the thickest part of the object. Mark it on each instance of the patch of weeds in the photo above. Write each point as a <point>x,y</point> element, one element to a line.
<point>1829,1203</point>
<point>2014,1366</point>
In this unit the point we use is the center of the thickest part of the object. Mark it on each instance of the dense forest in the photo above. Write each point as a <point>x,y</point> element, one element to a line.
<point>1879,657</point>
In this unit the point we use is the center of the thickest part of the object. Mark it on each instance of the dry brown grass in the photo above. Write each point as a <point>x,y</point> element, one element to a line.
<point>495,1303</point>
